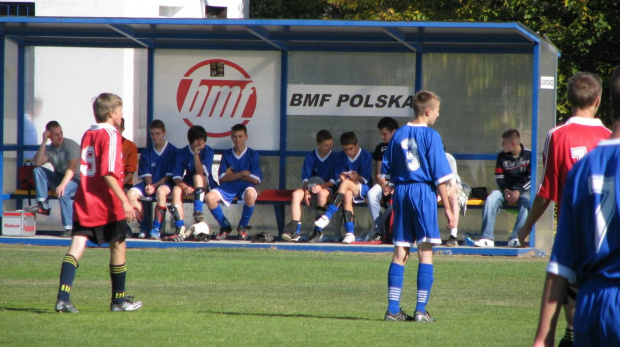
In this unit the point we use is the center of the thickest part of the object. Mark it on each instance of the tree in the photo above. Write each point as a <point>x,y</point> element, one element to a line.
<point>587,32</point>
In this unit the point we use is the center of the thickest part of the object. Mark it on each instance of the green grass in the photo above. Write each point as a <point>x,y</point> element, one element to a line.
<point>231,297</point>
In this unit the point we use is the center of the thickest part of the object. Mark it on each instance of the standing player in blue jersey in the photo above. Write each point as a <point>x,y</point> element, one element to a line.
<point>353,167</point>
<point>587,245</point>
<point>155,170</point>
<point>192,176</point>
<point>317,181</point>
<point>239,174</point>
<point>416,164</point>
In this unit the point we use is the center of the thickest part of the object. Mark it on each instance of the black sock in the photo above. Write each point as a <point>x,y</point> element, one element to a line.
<point>117,275</point>
<point>67,275</point>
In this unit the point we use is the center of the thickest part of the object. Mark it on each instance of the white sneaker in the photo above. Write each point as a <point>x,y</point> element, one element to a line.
<point>484,243</point>
<point>348,238</point>
<point>142,235</point>
<point>514,243</point>
<point>322,222</point>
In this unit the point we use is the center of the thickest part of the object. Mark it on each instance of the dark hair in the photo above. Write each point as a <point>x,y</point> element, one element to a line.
<point>614,93</point>
<point>511,133</point>
<point>239,127</point>
<point>387,122</point>
<point>348,138</point>
<point>157,124</point>
<point>52,124</point>
<point>196,132</point>
<point>583,89</point>
<point>323,135</point>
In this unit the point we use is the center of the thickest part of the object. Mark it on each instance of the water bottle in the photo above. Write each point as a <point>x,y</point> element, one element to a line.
<point>539,253</point>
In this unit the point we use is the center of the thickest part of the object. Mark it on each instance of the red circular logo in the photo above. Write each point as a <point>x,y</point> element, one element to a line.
<point>216,94</point>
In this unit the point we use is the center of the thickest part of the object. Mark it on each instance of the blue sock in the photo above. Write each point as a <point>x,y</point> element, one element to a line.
<point>179,223</point>
<point>218,215</point>
<point>67,275</point>
<point>118,273</point>
<point>425,283</point>
<point>396,276</point>
<point>331,209</point>
<point>156,224</point>
<point>246,214</point>
<point>349,227</point>
<point>198,205</point>
<point>298,230</point>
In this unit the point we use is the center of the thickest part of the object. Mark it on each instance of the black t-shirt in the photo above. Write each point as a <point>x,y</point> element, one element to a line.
<point>378,154</point>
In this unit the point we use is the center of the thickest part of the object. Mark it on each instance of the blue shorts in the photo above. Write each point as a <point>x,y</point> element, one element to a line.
<point>228,191</point>
<point>363,192</point>
<point>140,187</point>
<point>597,313</point>
<point>415,214</point>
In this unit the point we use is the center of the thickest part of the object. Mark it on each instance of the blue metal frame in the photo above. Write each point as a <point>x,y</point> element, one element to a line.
<point>265,35</point>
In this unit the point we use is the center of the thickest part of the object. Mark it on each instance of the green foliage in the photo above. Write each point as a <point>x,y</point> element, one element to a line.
<point>232,297</point>
<point>587,32</point>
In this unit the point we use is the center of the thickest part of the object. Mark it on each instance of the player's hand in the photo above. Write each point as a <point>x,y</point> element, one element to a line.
<point>316,189</point>
<point>387,190</point>
<point>353,176</point>
<point>514,197</point>
<point>149,189</point>
<point>307,197</point>
<point>450,218</point>
<point>188,190</point>
<point>130,212</point>
<point>246,172</point>
<point>522,233</point>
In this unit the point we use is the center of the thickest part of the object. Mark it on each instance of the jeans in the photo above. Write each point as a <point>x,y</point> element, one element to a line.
<point>373,198</point>
<point>46,179</point>
<point>494,202</point>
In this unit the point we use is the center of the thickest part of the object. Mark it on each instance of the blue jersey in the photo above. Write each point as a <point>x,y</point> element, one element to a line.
<point>362,164</point>
<point>185,169</point>
<point>157,165</point>
<point>416,155</point>
<point>587,244</point>
<point>314,165</point>
<point>248,160</point>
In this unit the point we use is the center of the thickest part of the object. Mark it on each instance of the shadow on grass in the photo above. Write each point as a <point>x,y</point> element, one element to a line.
<point>26,309</point>
<point>290,315</point>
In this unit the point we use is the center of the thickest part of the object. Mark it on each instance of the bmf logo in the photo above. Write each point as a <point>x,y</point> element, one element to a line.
<point>219,90</point>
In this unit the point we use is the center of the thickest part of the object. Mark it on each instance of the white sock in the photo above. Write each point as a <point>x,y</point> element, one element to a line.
<point>454,232</point>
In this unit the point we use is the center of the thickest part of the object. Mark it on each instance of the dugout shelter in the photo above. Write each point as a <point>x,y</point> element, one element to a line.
<point>284,79</point>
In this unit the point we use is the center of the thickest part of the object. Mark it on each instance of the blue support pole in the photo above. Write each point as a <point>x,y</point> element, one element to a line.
<point>2,68</point>
<point>283,117</point>
<point>418,71</point>
<point>535,103</point>
<point>150,70</point>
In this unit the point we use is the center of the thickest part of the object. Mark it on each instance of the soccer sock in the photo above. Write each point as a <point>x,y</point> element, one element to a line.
<point>198,206</point>
<point>179,223</point>
<point>67,274</point>
<point>117,275</point>
<point>298,230</point>
<point>199,196</point>
<point>160,212</point>
<point>349,227</point>
<point>246,214</point>
<point>218,215</point>
<point>425,283</point>
<point>331,210</point>
<point>568,335</point>
<point>454,232</point>
<point>396,276</point>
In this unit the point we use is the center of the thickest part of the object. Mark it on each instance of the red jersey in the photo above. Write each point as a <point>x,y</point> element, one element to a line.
<point>565,145</point>
<point>95,203</point>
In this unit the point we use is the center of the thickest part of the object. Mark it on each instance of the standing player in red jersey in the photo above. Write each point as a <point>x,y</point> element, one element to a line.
<point>565,144</point>
<point>101,208</point>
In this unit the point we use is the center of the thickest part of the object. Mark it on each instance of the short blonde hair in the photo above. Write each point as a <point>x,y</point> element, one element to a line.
<point>423,100</point>
<point>104,105</point>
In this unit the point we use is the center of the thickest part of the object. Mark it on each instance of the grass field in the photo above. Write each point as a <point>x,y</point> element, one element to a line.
<point>228,297</point>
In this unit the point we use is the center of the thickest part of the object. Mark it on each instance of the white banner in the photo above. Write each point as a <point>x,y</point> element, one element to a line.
<point>340,100</point>
<point>218,89</point>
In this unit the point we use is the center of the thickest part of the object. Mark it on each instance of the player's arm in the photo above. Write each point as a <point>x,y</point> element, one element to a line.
<point>442,190</point>
<point>553,296</point>
<point>112,182</point>
<point>40,157</point>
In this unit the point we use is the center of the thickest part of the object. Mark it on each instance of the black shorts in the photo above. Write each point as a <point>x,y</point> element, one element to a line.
<point>109,233</point>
